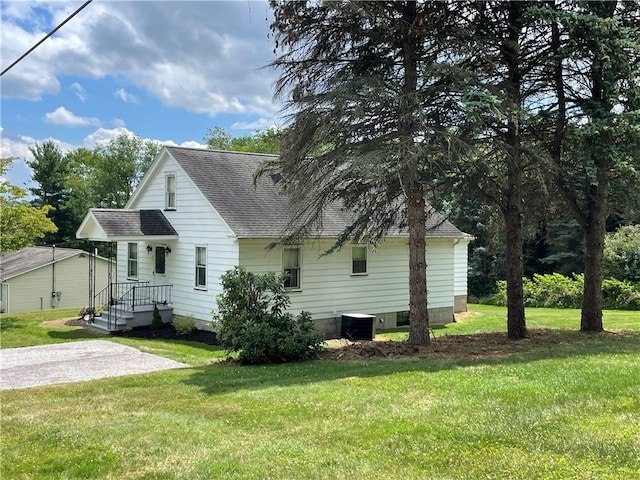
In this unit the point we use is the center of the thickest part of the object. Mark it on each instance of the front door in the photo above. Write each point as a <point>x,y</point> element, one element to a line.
<point>160,264</point>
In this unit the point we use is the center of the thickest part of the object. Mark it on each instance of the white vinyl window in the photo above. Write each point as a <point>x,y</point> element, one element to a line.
<point>132,260</point>
<point>292,268</point>
<point>201,267</point>
<point>358,260</point>
<point>170,192</point>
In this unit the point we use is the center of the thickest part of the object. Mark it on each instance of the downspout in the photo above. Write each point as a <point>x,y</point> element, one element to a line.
<point>53,276</point>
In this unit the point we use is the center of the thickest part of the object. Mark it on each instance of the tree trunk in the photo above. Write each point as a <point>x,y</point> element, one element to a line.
<point>594,233</point>
<point>418,312</point>
<point>516,325</point>
<point>512,208</point>
<point>416,211</point>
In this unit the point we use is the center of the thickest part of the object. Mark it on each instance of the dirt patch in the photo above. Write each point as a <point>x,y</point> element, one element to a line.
<point>482,345</point>
<point>61,322</point>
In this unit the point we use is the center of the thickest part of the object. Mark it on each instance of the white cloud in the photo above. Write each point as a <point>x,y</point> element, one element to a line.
<point>205,57</point>
<point>79,90</point>
<point>102,136</point>
<point>259,124</point>
<point>62,116</point>
<point>125,96</point>
<point>189,144</point>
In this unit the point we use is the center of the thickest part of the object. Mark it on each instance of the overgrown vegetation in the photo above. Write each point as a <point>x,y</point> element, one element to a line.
<point>559,291</point>
<point>253,324</point>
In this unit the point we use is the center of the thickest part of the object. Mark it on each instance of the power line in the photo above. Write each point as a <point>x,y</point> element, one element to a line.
<point>47,36</point>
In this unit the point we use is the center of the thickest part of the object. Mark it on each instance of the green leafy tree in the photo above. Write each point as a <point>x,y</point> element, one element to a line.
<point>262,141</point>
<point>21,223</point>
<point>118,167</point>
<point>252,320</point>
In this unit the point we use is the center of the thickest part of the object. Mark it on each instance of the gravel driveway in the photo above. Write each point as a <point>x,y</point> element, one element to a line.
<point>75,362</point>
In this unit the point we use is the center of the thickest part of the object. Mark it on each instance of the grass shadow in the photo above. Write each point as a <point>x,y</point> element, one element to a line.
<point>461,352</point>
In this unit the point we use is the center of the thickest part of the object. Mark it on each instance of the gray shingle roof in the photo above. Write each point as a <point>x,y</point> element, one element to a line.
<point>133,223</point>
<point>226,180</point>
<point>30,258</point>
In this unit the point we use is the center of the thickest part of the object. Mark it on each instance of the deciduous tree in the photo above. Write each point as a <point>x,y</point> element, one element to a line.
<point>21,223</point>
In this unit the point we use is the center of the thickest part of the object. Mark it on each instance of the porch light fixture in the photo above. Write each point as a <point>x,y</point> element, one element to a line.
<point>149,248</point>
<point>167,250</point>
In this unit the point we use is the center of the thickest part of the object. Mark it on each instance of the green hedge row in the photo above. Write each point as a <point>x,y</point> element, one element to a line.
<point>557,291</point>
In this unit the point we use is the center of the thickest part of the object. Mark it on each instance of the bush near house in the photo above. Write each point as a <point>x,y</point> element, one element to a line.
<point>184,325</point>
<point>252,320</point>
<point>558,291</point>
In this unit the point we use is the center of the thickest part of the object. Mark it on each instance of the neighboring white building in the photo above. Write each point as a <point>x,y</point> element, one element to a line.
<point>40,278</point>
<point>196,214</point>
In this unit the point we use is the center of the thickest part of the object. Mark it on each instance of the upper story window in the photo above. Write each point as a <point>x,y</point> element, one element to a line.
<point>132,260</point>
<point>170,191</point>
<point>358,260</point>
<point>291,267</point>
<point>201,268</point>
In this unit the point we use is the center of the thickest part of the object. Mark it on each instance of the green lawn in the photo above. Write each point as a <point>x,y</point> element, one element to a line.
<point>569,409</point>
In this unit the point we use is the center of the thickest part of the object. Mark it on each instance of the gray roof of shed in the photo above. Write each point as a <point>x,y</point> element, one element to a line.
<point>32,258</point>
<point>226,180</point>
<point>133,223</point>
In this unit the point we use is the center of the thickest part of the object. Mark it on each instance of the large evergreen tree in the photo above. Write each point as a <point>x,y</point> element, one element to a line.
<point>367,86</point>
<point>49,172</point>
<point>597,125</point>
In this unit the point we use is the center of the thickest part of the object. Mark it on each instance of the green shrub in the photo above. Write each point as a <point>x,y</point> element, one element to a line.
<point>157,322</point>
<point>620,295</point>
<point>622,254</point>
<point>184,325</point>
<point>252,320</point>
<point>557,291</point>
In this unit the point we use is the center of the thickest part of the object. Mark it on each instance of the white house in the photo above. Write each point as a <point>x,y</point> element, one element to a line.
<point>196,214</point>
<point>40,278</point>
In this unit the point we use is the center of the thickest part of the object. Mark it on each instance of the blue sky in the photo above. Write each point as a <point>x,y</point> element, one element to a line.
<point>165,70</point>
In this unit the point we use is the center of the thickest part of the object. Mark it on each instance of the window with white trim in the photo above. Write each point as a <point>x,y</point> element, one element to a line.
<point>292,268</point>
<point>201,267</point>
<point>358,260</point>
<point>170,191</point>
<point>132,260</point>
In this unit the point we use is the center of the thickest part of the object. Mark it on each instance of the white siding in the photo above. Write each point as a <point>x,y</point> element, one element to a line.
<point>197,224</point>
<point>440,272</point>
<point>32,290</point>
<point>329,289</point>
<point>461,249</point>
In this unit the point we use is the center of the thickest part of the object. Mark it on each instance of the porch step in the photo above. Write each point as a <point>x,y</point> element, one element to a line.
<point>119,318</point>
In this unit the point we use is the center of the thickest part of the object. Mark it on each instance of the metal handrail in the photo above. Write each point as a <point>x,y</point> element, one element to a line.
<point>130,295</point>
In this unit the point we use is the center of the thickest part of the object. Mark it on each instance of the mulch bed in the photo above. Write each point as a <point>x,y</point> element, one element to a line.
<point>483,345</point>
<point>167,332</point>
